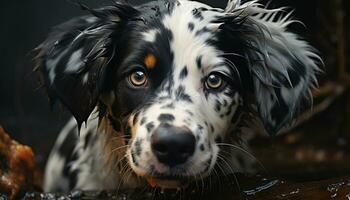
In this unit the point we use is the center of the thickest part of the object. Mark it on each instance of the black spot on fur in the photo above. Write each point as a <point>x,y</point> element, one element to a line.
<point>169,34</point>
<point>183,73</point>
<point>202,31</point>
<point>181,95</point>
<point>197,14</point>
<point>143,121</point>
<point>212,128</point>
<point>87,139</point>
<point>225,103</point>
<point>150,127</point>
<point>138,148</point>
<point>218,106</point>
<point>201,147</point>
<point>170,105</point>
<point>191,26</point>
<point>163,98</point>
<point>199,62</point>
<point>189,112</point>
<point>200,127</point>
<point>198,137</point>
<point>166,118</point>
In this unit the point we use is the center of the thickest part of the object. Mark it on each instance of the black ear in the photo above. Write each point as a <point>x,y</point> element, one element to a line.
<point>73,61</point>
<point>282,67</point>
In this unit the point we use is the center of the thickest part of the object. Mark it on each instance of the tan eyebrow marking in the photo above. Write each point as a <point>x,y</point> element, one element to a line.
<point>150,61</point>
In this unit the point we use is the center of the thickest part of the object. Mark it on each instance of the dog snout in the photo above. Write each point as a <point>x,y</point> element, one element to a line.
<point>173,145</point>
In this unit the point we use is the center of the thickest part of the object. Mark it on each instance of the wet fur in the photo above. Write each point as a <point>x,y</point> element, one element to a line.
<point>83,64</point>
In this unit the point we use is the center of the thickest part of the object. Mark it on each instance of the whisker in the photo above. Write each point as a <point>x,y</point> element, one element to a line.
<point>246,152</point>
<point>233,173</point>
<point>232,54</point>
<point>118,148</point>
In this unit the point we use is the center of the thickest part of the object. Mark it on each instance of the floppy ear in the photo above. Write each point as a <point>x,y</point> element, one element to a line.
<point>281,66</point>
<point>74,59</point>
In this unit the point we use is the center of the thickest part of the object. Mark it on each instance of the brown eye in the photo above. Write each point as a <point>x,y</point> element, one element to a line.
<point>138,78</point>
<point>214,81</point>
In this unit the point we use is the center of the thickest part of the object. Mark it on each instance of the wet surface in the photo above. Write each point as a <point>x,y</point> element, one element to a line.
<point>257,188</point>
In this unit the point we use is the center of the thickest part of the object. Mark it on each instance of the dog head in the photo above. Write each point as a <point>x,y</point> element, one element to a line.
<point>175,76</point>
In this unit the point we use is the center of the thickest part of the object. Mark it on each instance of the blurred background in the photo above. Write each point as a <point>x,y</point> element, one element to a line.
<point>314,147</point>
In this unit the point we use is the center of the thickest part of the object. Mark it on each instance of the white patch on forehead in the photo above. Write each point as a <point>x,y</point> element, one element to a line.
<point>74,62</point>
<point>150,36</point>
<point>188,44</point>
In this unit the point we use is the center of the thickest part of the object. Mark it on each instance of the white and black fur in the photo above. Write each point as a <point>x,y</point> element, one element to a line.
<point>265,72</point>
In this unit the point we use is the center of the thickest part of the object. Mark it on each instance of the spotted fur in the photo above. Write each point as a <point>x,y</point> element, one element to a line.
<point>265,73</point>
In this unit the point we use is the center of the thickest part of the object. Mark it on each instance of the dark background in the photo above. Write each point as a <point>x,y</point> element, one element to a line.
<point>24,110</point>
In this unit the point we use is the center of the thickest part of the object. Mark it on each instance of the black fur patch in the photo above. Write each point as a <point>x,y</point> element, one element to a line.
<point>197,14</point>
<point>150,127</point>
<point>199,62</point>
<point>218,105</point>
<point>68,145</point>
<point>166,118</point>
<point>181,95</point>
<point>202,31</point>
<point>87,139</point>
<point>212,128</point>
<point>191,26</point>
<point>200,127</point>
<point>189,112</point>
<point>143,121</point>
<point>170,105</point>
<point>183,73</point>
<point>138,148</point>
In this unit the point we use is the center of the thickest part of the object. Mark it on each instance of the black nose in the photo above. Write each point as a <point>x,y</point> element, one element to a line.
<point>172,145</point>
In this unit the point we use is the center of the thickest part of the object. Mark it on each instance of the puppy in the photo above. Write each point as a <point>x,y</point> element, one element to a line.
<point>166,88</point>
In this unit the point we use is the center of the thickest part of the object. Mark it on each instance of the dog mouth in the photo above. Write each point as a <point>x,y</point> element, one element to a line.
<point>169,181</point>
<point>178,180</point>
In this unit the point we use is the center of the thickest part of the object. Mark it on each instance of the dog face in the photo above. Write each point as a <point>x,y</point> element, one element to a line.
<point>175,76</point>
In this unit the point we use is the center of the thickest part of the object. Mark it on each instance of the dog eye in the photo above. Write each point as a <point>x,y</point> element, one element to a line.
<point>214,81</point>
<point>138,78</point>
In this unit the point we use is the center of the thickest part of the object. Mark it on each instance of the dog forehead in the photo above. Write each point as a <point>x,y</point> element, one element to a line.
<point>190,29</point>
